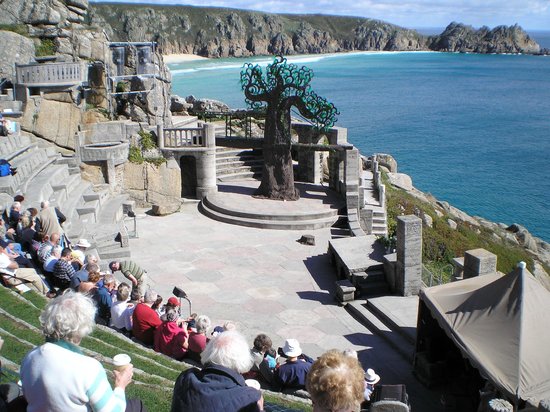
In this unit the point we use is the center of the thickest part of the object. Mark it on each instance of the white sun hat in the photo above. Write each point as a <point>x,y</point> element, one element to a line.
<point>292,348</point>
<point>371,376</point>
<point>83,243</point>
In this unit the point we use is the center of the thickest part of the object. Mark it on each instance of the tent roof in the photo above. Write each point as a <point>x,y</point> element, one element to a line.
<point>502,324</point>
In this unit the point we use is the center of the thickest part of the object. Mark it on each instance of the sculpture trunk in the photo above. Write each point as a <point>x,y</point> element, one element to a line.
<point>278,174</point>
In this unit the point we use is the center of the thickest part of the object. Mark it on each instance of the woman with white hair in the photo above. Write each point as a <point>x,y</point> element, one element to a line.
<point>57,376</point>
<point>198,340</point>
<point>219,386</point>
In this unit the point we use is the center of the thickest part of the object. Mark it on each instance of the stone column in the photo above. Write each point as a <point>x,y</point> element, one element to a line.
<point>409,255</point>
<point>206,164</point>
<point>309,162</point>
<point>479,262</point>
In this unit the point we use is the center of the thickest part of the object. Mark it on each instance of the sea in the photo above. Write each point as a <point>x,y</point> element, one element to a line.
<point>472,130</point>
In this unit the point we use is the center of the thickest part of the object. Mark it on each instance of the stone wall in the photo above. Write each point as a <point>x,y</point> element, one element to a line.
<point>148,184</point>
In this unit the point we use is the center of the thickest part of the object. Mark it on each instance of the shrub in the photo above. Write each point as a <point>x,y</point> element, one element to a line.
<point>135,155</point>
<point>147,141</point>
<point>15,28</point>
<point>45,48</point>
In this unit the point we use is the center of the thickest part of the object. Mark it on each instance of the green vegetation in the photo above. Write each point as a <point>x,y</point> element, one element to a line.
<point>16,28</point>
<point>441,243</point>
<point>146,142</point>
<point>45,48</point>
<point>121,87</point>
<point>154,373</point>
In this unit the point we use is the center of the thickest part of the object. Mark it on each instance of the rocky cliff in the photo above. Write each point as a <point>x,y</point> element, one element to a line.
<point>217,32</point>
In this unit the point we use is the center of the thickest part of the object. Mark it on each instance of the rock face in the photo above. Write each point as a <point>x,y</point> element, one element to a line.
<point>215,32</point>
<point>461,38</point>
<point>14,48</point>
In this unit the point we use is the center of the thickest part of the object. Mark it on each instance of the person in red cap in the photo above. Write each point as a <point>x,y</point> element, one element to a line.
<point>170,338</point>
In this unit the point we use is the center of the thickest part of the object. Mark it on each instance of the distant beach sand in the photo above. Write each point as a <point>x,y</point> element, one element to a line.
<point>179,58</point>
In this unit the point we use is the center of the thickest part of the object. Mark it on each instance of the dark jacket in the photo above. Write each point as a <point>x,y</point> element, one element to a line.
<point>214,388</point>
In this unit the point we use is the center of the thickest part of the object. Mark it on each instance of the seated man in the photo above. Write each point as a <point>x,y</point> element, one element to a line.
<point>82,274</point>
<point>133,272</point>
<point>219,386</point>
<point>13,275</point>
<point>63,271</point>
<point>292,374</point>
<point>102,298</point>
<point>145,320</point>
<point>119,307</point>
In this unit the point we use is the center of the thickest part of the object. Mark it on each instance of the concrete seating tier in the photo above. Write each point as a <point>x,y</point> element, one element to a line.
<point>234,204</point>
<point>237,164</point>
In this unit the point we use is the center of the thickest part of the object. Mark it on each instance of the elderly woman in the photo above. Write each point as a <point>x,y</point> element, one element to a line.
<point>335,383</point>
<point>171,338</point>
<point>198,339</point>
<point>57,376</point>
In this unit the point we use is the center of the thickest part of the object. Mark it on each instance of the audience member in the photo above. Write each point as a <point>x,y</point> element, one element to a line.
<point>133,272</point>
<point>63,271</point>
<point>78,251</point>
<point>170,338</point>
<point>263,367</point>
<point>127,316</point>
<point>119,307</point>
<point>82,274</point>
<point>52,259</point>
<point>13,275</point>
<point>57,376</point>
<point>102,298</point>
<point>198,339</point>
<point>219,386</point>
<point>371,379</point>
<point>49,220</point>
<point>46,246</point>
<point>27,235</point>
<point>145,320</point>
<point>335,383</point>
<point>94,276</point>
<point>291,375</point>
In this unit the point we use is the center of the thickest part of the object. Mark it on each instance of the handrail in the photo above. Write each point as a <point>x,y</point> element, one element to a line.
<point>51,74</point>
<point>183,137</point>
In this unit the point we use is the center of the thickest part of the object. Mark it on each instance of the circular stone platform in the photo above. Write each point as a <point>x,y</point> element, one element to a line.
<point>317,207</point>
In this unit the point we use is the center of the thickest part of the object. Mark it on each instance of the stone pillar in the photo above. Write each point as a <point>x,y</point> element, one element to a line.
<point>458,269</point>
<point>160,136</point>
<point>409,255</point>
<point>206,164</point>
<point>309,162</point>
<point>479,262</point>
<point>111,173</point>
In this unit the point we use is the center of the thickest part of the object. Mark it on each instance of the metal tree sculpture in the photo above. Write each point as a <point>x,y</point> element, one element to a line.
<point>282,86</point>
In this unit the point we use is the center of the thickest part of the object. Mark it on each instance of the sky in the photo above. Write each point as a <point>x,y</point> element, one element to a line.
<point>529,14</point>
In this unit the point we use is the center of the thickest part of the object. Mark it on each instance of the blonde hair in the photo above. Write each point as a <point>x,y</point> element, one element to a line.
<point>336,382</point>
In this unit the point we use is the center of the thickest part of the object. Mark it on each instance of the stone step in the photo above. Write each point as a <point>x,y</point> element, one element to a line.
<point>44,185</point>
<point>239,176</point>
<point>310,224</point>
<point>358,309</point>
<point>89,210</point>
<point>220,172</point>
<point>111,211</point>
<point>229,160</point>
<point>63,187</point>
<point>407,332</point>
<point>113,252</point>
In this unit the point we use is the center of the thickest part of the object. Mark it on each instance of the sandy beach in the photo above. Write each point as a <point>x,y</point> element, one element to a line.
<point>181,57</point>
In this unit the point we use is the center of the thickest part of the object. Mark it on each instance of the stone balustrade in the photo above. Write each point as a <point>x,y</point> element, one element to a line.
<point>51,74</point>
<point>179,138</point>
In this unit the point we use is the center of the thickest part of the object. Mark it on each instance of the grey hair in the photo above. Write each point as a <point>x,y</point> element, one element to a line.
<point>202,323</point>
<point>171,315</point>
<point>56,250</point>
<point>91,257</point>
<point>68,317</point>
<point>44,204</point>
<point>150,296</point>
<point>123,292</point>
<point>109,279</point>
<point>228,349</point>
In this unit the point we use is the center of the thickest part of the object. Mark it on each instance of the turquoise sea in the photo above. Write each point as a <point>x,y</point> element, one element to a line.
<point>473,130</point>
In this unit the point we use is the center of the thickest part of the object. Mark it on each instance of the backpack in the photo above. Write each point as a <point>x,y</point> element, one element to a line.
<point>5,169</point>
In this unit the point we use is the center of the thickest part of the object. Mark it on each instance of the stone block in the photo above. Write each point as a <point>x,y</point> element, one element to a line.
<point>167,207</point>
<point>409,255</point>
<point>57,122</point>
<point>345,291</point>
<point>479,262</point>
<point>307,240</point>
<point>134,176</point>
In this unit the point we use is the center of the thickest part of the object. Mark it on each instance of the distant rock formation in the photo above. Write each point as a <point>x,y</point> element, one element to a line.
<point>458,37</point>
<point>216,32</point>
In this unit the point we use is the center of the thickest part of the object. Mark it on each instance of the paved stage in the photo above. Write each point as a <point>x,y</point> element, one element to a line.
<point>265,281</point>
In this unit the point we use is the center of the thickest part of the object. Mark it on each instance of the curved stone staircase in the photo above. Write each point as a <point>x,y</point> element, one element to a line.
<point>237,164</point>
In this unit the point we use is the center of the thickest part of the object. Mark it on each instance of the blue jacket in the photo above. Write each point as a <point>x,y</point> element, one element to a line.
<point>292,375</point>
<point>214,388</point>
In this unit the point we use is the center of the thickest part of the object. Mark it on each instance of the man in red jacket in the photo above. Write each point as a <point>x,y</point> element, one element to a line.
<point>145,319</point>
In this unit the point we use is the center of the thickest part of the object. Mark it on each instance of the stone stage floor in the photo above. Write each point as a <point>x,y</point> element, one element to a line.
<point>264,281</point>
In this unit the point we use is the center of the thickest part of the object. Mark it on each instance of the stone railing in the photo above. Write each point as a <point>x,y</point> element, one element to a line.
<point>186,137</point>
<point>51,74</point>
<point>377,176</point>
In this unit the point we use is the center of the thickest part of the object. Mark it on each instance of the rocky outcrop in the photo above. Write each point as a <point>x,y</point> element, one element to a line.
<point>14,49</point>
<point>458,37</point>
<point>214,32</point>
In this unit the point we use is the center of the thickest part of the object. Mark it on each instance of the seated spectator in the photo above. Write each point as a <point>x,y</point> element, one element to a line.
<point>63,271</point>
<point>50,262</point>
<point>94,276</point>
<point>27,235</point>
<point>198,339</point>
<point>371,379</point>
<point>145,320</point>
<point>82,274</point>
<point>170,338</point>
<point>219,386</point>
<point>46,246</point>
<point>135,298</point>
<point>263,367</point>
<point>78,251</point>
<point>57,376</point>
<point>13,275</point>
<point>133,272</point>
<point>50,220</point>
<point>291,375</point>
<point>172,303</point>
<point>102,298</point>
<point>119,307</point>
<point>5,129</point>
<point>335,383</point>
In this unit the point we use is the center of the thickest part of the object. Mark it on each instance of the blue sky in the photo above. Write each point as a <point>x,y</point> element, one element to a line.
<point>530,14</point>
